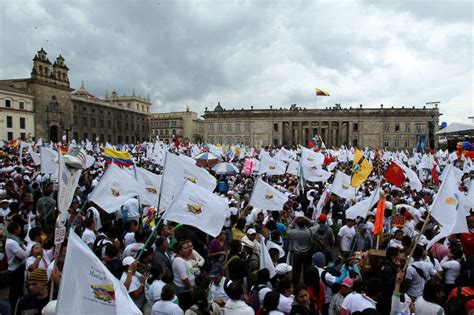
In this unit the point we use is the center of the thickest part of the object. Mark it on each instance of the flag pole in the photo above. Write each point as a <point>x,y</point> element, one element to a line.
<point>158,209</point>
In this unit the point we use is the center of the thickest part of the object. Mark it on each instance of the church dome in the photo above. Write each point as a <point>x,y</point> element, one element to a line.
<point>82,92</point>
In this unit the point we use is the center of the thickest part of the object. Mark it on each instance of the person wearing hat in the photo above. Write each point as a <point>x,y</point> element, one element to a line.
<point>218,285</point>
<point>335,307</point>
<point>252,237</point>
<point>251,258</point>
<point>326,235</point>
<point>133,281</point>
<point>38,296</point>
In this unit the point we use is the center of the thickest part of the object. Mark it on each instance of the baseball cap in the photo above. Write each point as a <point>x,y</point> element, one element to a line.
<point>323,218</point>
<point>216,269</point>
<point>251,231</point>
<point>283,268</point>
<point>127,261</point>
<point>347,282</point>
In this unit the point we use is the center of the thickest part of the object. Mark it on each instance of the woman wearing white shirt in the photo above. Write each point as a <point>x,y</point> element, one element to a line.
<point>452,268</point>
<point>153,288</point>
<point>183,273</point>
<point>197,261</point>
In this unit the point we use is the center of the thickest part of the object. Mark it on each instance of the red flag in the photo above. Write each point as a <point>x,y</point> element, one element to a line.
<point>394,174</point>
<point>328,159</point>
<point>435,175</point>
<point>310,144</point>
<point>379,217</point>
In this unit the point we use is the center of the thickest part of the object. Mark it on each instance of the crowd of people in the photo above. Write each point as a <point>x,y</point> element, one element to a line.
<point>324,264</point>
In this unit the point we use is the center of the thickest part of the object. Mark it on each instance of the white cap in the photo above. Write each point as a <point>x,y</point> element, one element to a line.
<point>282,269</point>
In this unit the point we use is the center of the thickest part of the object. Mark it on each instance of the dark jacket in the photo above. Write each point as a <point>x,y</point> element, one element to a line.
<point>160,258</point>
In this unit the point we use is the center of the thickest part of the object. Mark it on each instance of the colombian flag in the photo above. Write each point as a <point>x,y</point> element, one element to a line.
<point>117,157</point>
<point>321,93</point>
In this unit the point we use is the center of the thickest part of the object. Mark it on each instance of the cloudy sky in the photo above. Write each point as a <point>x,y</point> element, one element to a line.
<point>259,53</point>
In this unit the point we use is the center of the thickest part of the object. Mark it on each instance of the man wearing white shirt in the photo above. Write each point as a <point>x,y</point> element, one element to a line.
<point>346,235</point>
<point>356,302</point>
<point>16,255</point>
<point>132,207</point>
<point>285,288</point>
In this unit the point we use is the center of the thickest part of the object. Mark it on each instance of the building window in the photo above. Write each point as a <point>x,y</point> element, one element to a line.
<point>85,135</point>
<point>247,140</point>
<point>93,122</point>
<point>74,119</point>
<point>84,109</point>
<point>21,105</point>
<point>8,103</point>
<point>210,140</point>
<point>396,143</point>
<point>397,127</point>
<point>354,143</point>
<point>126,126</point>
<point>386,127</point>
<point>355,127</point>
<point>237,127</point>
<point>94,137</point>
<point>407,127</point>
<point>101,123</point>
<point>10,136</point>
<point>219,140</point>
<point>211,127</point>
<point>229,128</point>
<point>93,110</point>
<point>9,122</point>
<point>275,127</point>
<point>22,123</point>
<point>407,143</point>
<point>75,135</point>
<point>385,143</point>
<point>237,140</point>
<point>247,127</point>
<point>109,138</point>
<point>229,140</point>
<point>219,127</point>
<point>84,122</point>
<point>418,128</point>
<point>23,136</point>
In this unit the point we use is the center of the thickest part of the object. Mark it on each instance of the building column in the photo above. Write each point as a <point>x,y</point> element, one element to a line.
<point>329,134</point>
<point>280,133</point>
<point>350,127</point>
<point>300,133</point>
<point>340,134</point>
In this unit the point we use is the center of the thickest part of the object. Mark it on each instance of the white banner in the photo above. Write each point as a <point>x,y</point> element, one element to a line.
<point>266,197</point>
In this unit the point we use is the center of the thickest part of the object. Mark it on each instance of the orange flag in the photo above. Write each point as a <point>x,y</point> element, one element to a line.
<point>379,217</point>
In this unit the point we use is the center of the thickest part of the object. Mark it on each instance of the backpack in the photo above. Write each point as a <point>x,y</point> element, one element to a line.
<point>318,240</point>
<point>457,304</point>
<point>99,244</point>
<point>253,297</point>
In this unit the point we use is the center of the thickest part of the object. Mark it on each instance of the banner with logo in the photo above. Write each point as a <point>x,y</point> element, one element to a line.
<point>88,287</point>
<point>266,197</point>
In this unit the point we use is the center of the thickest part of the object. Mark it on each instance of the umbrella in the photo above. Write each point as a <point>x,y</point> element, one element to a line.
<point>206,159</point>
<point>225,168</point>
<point>206,156</point>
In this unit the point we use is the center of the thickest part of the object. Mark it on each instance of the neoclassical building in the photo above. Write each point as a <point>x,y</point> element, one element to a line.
<point>79,115</point>
<point>186,126</point>
<point>390,128</point>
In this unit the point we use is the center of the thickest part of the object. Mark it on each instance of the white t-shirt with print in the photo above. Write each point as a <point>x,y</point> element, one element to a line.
<point>182,269</point>
<point>346,234</point>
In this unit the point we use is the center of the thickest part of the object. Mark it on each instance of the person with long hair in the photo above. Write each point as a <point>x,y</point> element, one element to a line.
<point>183,274</point>
<point>302,304</point>
<point>314,287</point>
<point>429,302</point>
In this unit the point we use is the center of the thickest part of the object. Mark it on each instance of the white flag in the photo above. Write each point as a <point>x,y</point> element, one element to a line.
<point>48,158</point>
<point>90,160</point>
<point>293,167</point>
<point>176,171</point>
<point>88,287</point>
<point>311,158</point>
<point>284,155</point>
<point>271,166</point>
<point>361,208</point>
<point>341,186</point>
<point>151,182</point>
<point>320,205</point>
<point>315,173</point>
<point>115,187</point>
<point>448,205</point>
<point>265,259</point>
<point>34,156</point>
<point>196,206</point>
<point>458,174</point>
<point>158,154</point>
<point>413,179</point>
<point>187,159</point>
<point>266,197</point>
<point>68,178</point>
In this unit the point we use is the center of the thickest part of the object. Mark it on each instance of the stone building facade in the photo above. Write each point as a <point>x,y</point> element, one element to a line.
<point>186,126</point>
<point>17,119</point>
<point>390,128</point>
<point>79,115</point>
